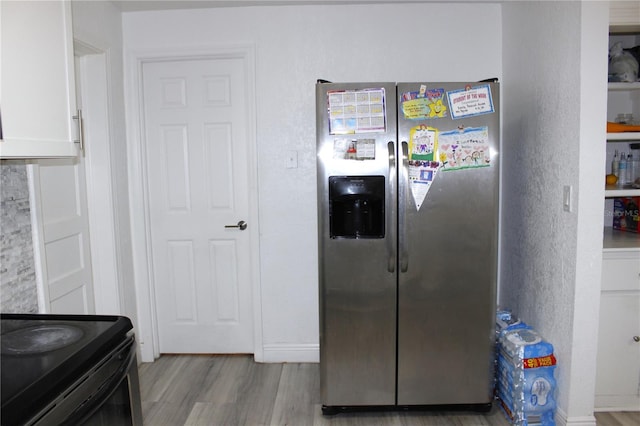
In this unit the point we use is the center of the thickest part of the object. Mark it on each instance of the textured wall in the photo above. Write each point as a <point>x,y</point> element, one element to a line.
<point>553,136</point>
<point>18,291</point>
<point>540,140</point>
<point>295,46</point>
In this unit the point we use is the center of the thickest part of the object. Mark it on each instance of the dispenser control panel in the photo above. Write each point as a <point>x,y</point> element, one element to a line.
<point>356,206</point>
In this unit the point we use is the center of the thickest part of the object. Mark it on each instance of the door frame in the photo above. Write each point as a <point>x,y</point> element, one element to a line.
<point>94,84</point>
<point>92,77</point>
<point>139,197</point>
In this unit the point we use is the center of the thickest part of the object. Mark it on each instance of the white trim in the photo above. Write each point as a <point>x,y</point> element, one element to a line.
<point>283,352</point>
<point>562,419</point>
<point>616,403</point>
<point>37,236</point>
<point>138,196</point>
<point>94,92</point>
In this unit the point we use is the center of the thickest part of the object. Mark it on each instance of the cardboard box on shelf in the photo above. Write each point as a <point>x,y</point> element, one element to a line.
<point>626,214</point>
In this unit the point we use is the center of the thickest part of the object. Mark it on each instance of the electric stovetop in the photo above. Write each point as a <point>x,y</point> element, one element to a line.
<point>42,355</point>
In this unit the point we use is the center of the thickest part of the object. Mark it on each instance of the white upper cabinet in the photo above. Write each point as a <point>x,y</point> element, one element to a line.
<point>37,89</point>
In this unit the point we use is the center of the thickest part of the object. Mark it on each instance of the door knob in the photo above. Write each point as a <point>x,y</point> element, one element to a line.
<point>242,225</point>
<point>636,338</point>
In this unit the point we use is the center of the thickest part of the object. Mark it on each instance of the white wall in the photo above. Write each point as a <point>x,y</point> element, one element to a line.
<point>98,24</point>
<point>554,131</point>
<point>296,45</point>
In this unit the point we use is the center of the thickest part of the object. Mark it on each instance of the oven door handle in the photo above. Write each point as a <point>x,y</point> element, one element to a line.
<point>94,402</point>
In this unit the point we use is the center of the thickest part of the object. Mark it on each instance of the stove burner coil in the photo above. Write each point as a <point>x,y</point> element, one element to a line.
<point>39,339</point>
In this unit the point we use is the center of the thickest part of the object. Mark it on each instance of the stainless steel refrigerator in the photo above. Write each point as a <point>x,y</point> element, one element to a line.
<point>408,197</point>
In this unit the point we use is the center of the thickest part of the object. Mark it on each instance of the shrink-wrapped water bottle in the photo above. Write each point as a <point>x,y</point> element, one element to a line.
<point>525,383</point>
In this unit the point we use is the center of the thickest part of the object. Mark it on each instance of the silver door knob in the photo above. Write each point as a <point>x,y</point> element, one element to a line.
<point>636,338</point>
<point>242,225</point>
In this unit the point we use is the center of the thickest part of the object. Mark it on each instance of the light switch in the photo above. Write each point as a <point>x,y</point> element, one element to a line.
<point>291,160</point>
<point>566,198</point>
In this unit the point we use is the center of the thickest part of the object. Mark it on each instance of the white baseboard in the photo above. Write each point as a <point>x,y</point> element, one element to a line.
<point>563,420</point>
<point>291,353</point>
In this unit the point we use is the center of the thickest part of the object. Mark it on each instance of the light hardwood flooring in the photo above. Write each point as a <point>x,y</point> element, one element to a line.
<point>211,390</point>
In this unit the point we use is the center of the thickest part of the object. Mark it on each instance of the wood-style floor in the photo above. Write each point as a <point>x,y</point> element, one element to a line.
<point>233,390</point>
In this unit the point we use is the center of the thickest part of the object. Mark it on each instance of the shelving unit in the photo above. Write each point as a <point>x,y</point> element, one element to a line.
<point>616,240</point>
<point>612,191</point>
<point>623,98</point>
<point>618,367</point>
<point>624,86</point>
<point>623,137</point>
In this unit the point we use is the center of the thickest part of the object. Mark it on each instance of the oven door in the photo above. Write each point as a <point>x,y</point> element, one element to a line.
<point>122,406</point>
<point>109,394</point>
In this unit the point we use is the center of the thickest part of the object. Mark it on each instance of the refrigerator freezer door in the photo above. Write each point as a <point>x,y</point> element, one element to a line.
<point>447,283</point>
<point>357,280</point>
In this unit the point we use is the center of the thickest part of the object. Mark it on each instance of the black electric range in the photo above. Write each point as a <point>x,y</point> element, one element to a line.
<point>43,356</point>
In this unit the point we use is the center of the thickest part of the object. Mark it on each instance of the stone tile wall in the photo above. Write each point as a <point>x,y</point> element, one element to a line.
<point>18,292</point>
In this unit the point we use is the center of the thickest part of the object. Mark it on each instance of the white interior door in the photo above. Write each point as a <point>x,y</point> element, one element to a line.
<point>60,221</point>
<point>195,124</point>
<point>61,236</point>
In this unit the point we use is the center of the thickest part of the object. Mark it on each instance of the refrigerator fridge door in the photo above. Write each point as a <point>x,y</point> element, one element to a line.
<point>356,244</point>
<point>447,278</point>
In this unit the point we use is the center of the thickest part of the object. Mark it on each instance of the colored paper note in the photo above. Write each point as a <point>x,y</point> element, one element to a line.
<point>464,148</point>
<point>356,111</point>
<point>470,101</point>
<point>423,143</point>
<point>421,176</point>
<point>424,104</point>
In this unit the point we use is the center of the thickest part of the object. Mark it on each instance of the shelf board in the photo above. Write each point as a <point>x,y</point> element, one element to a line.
<point>614,87</point>
<point>623,136</point>
<point>611,191</point>
<point>620,240</point>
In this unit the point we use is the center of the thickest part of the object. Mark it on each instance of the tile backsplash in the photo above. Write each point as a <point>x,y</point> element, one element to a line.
<point>18,291</point>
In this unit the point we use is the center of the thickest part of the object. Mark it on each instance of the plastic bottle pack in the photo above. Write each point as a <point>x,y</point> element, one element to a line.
<point>525,365</point>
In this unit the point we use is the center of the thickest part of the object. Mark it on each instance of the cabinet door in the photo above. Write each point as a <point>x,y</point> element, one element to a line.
<point>37,98</point>
<point>618,368</point>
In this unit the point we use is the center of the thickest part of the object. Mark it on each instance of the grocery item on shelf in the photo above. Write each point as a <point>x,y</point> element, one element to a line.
<point>626,214</point>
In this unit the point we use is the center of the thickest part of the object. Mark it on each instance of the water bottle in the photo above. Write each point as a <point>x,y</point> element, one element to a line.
<point>622,169</point>
<point>635,170</point>
<point>615,165</point>
<point>630,169</point>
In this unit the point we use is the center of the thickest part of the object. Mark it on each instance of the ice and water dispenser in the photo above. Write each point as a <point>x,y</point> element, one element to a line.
<point>356,206</point>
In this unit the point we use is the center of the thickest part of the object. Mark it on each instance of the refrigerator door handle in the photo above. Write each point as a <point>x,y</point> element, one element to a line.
<point>391,244</point>
<point>403,200</point>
